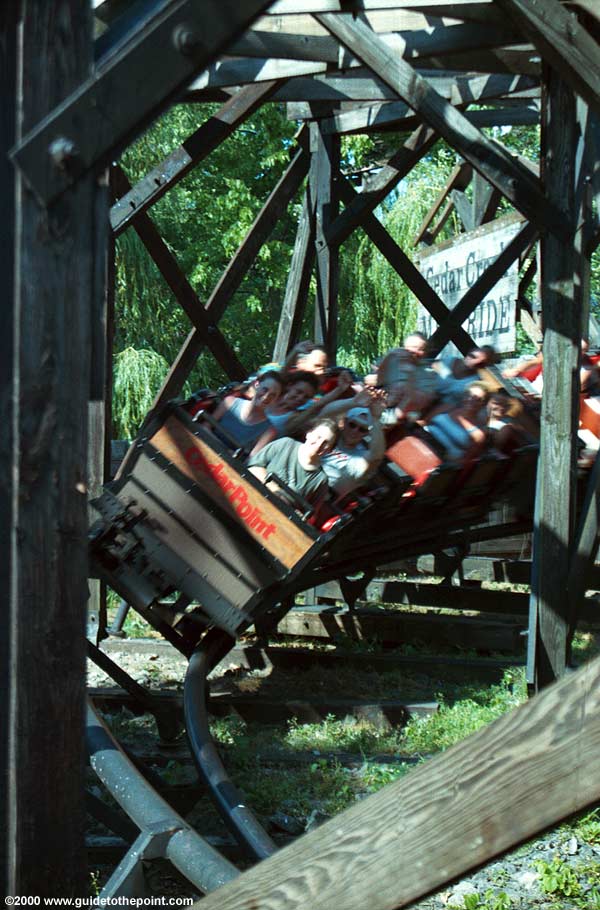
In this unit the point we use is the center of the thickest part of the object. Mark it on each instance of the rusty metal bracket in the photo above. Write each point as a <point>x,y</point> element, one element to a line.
<point>128,91</point>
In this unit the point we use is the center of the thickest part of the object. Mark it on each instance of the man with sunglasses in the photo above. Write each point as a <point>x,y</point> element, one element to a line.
<point>359,449</point>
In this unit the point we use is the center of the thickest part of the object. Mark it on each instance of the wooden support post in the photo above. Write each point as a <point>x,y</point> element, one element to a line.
<point>562,41</point>
<point>555,500</point>
<point>589,123</point>
<point>296,290</point>
<point>524,772</point>
<point>100,366</point>
<point>54,287</point>
<point>585,549</point>
<point>8,518</point>
<point>324,170</point>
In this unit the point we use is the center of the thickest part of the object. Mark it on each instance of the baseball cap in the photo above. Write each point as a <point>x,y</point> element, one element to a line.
<point>362,416</point>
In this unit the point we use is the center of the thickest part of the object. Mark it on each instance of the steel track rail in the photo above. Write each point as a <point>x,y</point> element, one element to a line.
<point>239,819</point>
<point>163,833</point>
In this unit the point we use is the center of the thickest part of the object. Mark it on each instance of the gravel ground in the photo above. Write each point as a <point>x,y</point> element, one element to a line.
<point>511,883</point>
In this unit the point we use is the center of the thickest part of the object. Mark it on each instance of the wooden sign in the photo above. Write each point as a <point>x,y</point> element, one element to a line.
<point>451,268</point>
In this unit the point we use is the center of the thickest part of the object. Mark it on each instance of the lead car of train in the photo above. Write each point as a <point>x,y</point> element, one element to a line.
<point>192,540</point>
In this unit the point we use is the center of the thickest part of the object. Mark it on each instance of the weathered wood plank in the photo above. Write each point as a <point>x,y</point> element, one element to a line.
<point>100,364</point>
<point>459,179</point>
<point>217,128</point>
<point>585,549</point>
<point>114,104</point>
<point>419,43</point>
<point>55,282</point>
<point>495,789</point>
<point>183,291</point>
<point>555,500</point>
<point>8,403</point>
<point>239,71</point>
<point>380,20</point>
<point>487,156</point>
<point>361,85</point>
<point>296,289</point>
<point>324,171</point>
<point>563,43</point>
<point>382,116</point>
<point>464,598</point>
<point>396,627</point>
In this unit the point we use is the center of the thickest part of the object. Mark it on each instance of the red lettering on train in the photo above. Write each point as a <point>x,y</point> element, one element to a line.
<point>249,514</point>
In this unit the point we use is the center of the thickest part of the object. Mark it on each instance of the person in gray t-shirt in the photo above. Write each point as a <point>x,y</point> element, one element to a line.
<point>353,461</point>
<point>298,464</point>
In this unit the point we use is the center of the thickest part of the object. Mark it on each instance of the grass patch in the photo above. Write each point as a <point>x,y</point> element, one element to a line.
<point>454,722</point>
<point>332,735</point>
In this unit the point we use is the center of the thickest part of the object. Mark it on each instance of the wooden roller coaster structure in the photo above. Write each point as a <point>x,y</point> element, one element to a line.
<point>72,102</point>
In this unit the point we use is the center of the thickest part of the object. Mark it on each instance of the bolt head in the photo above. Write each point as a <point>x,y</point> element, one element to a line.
<point>63,152</point>
<point>186,40</point>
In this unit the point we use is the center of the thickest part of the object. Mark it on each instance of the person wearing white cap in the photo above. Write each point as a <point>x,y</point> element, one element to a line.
<point>360,447</point>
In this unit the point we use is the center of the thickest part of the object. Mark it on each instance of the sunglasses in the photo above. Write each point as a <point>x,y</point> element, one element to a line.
<point>358,426</point>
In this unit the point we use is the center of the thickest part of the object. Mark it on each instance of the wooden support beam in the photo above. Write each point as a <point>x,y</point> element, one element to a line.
<point>8,407</point>
<point>413,45</point>
<point>555,500</point>
<point>519,775</point>
<point>56,281</point>
<point>235,71</point>
<point>235,272</point>
<point>382,16</point>
<point>484,206</point>
<point>169,172</point>
<point>324,171</point>
<point>385,115</point>
<point>399,261</point>
<point>296,289</point>
<point>361,85</point>
<point>563,43</point>
<point>486,156</point>
<point>463,208</point>
<point>287,16</point>
<point>182,290</point>
<point>484,284</point>
<point>107,111</point>
<point>430,236</point>
<point>100,365</point>
<point>376,189</point>
<point>585,550</point>
<point>459,179</point>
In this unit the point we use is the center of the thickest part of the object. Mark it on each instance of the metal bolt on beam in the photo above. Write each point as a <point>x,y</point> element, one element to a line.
<point>63,152</point>
<point>186,40</point>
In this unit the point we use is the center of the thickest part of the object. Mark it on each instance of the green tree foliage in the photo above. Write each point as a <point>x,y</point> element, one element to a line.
<point>206,216</point>
<point>376,307</point>
<point>137,376</point>
<point>203,220</point>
